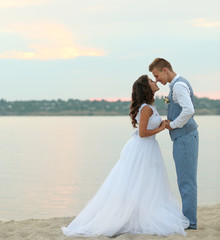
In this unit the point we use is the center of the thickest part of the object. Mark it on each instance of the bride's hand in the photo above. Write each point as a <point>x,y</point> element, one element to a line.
<point>163,124</point>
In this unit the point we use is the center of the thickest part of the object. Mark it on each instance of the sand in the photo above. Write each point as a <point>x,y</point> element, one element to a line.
<point>49,229</point>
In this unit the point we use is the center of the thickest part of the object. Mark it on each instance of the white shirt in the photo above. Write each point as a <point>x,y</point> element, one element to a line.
<point>181,95</point>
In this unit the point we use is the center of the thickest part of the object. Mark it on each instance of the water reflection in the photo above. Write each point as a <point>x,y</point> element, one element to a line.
<point>51,166</point>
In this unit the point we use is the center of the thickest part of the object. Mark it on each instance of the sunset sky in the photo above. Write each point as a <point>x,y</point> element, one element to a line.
<point>94,49</point>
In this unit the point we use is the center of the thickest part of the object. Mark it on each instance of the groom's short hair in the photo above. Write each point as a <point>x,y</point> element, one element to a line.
<point>160,63</point>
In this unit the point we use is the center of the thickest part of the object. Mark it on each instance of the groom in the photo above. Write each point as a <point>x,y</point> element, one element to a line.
<point>183,132</point>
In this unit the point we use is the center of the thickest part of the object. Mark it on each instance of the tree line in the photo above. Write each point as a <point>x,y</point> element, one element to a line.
<point>75,107</point>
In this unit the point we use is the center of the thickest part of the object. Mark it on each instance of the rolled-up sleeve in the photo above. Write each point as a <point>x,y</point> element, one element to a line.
<point>181,95</point>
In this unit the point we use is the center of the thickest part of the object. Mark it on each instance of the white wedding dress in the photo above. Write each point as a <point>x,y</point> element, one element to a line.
<point>135,197</point>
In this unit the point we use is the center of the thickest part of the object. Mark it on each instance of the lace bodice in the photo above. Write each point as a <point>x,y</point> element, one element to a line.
<point>154,120</point>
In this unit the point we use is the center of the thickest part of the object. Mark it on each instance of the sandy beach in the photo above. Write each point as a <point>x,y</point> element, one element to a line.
<point>49,229</point>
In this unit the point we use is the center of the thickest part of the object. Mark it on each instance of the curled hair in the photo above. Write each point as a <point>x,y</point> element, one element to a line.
<point>141,93</point>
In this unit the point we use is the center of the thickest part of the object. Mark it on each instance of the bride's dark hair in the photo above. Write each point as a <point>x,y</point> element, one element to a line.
<point>141,93</point>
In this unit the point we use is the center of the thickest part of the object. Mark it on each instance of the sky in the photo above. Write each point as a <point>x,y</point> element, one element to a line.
<point>96,49</point>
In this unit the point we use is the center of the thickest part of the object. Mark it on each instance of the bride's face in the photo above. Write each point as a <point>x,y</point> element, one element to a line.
<point>153,85</point>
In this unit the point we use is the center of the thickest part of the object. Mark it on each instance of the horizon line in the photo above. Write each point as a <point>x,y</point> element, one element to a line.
<point>115,99</point>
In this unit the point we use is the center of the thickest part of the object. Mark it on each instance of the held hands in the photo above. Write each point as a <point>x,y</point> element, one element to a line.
<point>168,125</point>
<point>165,124</point>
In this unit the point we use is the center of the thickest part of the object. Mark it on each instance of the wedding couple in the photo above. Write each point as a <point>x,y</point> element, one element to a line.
<point>135,197</point>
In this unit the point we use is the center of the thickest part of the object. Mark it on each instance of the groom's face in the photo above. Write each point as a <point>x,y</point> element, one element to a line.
<point>160,76</point>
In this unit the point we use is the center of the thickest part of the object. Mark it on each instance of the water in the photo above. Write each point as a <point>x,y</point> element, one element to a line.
<point>51,166</point>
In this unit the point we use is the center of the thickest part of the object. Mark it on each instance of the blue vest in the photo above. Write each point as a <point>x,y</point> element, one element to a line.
<point>174,110</point>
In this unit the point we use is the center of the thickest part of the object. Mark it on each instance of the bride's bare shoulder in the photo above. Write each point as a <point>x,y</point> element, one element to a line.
<point>146,110</point>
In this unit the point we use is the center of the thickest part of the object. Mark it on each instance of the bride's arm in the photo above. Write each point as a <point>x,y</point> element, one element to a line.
<point>146,113</point>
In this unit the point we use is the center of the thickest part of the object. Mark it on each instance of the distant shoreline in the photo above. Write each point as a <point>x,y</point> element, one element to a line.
<point>75,107</point>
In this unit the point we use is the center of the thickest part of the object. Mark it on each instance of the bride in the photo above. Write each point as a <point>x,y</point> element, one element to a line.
<point>135,197</point>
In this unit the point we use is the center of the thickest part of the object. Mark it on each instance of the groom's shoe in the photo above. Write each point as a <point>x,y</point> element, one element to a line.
<point>192,227</point>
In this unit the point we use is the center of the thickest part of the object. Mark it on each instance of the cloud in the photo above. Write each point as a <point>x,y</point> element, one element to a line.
<point>97,8</point>
<point>48,41</point>
<point>20,3</point>
<point>202,22</point>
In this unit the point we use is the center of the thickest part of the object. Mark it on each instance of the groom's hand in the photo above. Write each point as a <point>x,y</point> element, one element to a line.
<point>168,125</point>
